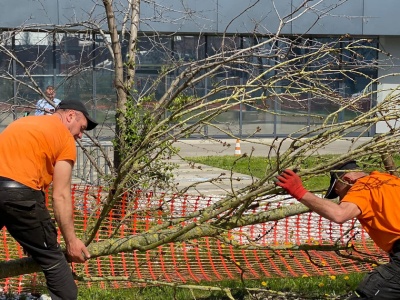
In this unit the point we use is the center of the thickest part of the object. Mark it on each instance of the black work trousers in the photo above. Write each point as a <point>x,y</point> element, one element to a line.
<point>25,215</point>
<point>383,283</point>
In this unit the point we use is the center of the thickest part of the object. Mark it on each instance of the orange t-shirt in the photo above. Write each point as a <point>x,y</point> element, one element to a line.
<point>378,197</point>
<point>30,148</point>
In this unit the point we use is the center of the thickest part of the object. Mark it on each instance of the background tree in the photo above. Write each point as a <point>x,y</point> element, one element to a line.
<point>287,72</point>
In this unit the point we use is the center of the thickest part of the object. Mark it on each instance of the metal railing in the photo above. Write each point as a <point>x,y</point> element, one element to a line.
<point>84,171</point>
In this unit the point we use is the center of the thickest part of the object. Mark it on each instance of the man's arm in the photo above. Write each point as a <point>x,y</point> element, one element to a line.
<point>338,213</point>
<point>39,108</point>
<point>63,211</point>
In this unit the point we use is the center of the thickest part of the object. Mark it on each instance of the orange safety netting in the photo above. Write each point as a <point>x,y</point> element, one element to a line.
<point>205,259</point>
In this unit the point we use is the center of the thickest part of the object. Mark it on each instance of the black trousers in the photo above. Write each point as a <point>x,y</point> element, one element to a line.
<point>383,283</point>
<point>25,215</point>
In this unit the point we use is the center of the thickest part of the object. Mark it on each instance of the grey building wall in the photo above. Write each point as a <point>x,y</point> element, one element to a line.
<point>355,17</point>
<point>389,78</point>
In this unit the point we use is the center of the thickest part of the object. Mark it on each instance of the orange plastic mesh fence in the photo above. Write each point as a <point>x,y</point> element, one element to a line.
<point>205,259</point>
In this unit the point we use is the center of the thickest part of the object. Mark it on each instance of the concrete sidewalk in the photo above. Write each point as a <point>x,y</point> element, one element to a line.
<point>260,147</point>
<point>187,175</point>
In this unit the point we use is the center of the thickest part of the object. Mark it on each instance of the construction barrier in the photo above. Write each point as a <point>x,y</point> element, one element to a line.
<point>206,259</point>
<point>238,152</point>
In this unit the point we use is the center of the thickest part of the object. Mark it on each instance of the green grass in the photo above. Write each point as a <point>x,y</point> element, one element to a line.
<point>256,166</point>
<point>319,287</point>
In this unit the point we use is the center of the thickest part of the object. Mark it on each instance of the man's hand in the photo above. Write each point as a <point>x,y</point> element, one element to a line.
<point>77,251</point>
<point>291,182</point>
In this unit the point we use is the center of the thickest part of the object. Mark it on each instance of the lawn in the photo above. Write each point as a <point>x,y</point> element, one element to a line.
<point>256,166</point>
<point>319,287</point>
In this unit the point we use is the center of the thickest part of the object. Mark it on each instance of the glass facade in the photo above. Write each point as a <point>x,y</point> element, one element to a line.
<point>80,66</point>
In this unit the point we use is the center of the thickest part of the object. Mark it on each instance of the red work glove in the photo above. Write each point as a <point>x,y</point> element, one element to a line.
<point>291,183</point>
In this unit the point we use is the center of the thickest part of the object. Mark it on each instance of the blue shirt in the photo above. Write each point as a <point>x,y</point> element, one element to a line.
<point>42,105</point>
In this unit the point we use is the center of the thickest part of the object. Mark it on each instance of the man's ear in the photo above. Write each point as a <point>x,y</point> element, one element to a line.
<point>69,114</point>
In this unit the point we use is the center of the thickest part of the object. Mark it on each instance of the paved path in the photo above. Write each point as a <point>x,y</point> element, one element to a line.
<point>186,174</point>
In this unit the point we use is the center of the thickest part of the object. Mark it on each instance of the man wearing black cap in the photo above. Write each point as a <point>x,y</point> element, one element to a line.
<point>77,106</point>
<point>36,151</point>
<point>374,200</point>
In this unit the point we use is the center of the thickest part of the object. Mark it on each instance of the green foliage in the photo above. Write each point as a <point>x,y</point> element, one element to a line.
<point>180,101</point>
<point>139,148</point>
<point>134,128</point>
<point>147,98</point>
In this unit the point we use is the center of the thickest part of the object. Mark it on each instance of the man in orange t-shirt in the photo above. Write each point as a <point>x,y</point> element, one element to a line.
<point>35,152</point>
<point>374,199</point>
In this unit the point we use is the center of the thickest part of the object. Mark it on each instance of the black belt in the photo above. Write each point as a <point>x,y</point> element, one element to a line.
<point>11,184</point>
<point>396,246</point>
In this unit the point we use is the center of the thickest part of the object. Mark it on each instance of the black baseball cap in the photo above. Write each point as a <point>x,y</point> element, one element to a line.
<point>338,171</point>
<point>78,106</point>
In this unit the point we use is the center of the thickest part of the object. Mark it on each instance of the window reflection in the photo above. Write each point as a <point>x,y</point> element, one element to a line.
<point>80,66</point>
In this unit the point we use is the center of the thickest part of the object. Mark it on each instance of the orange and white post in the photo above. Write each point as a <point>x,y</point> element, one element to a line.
<point>237,148</point>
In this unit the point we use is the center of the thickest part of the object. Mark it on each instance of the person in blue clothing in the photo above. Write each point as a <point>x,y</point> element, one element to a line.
<point>43,106</point>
